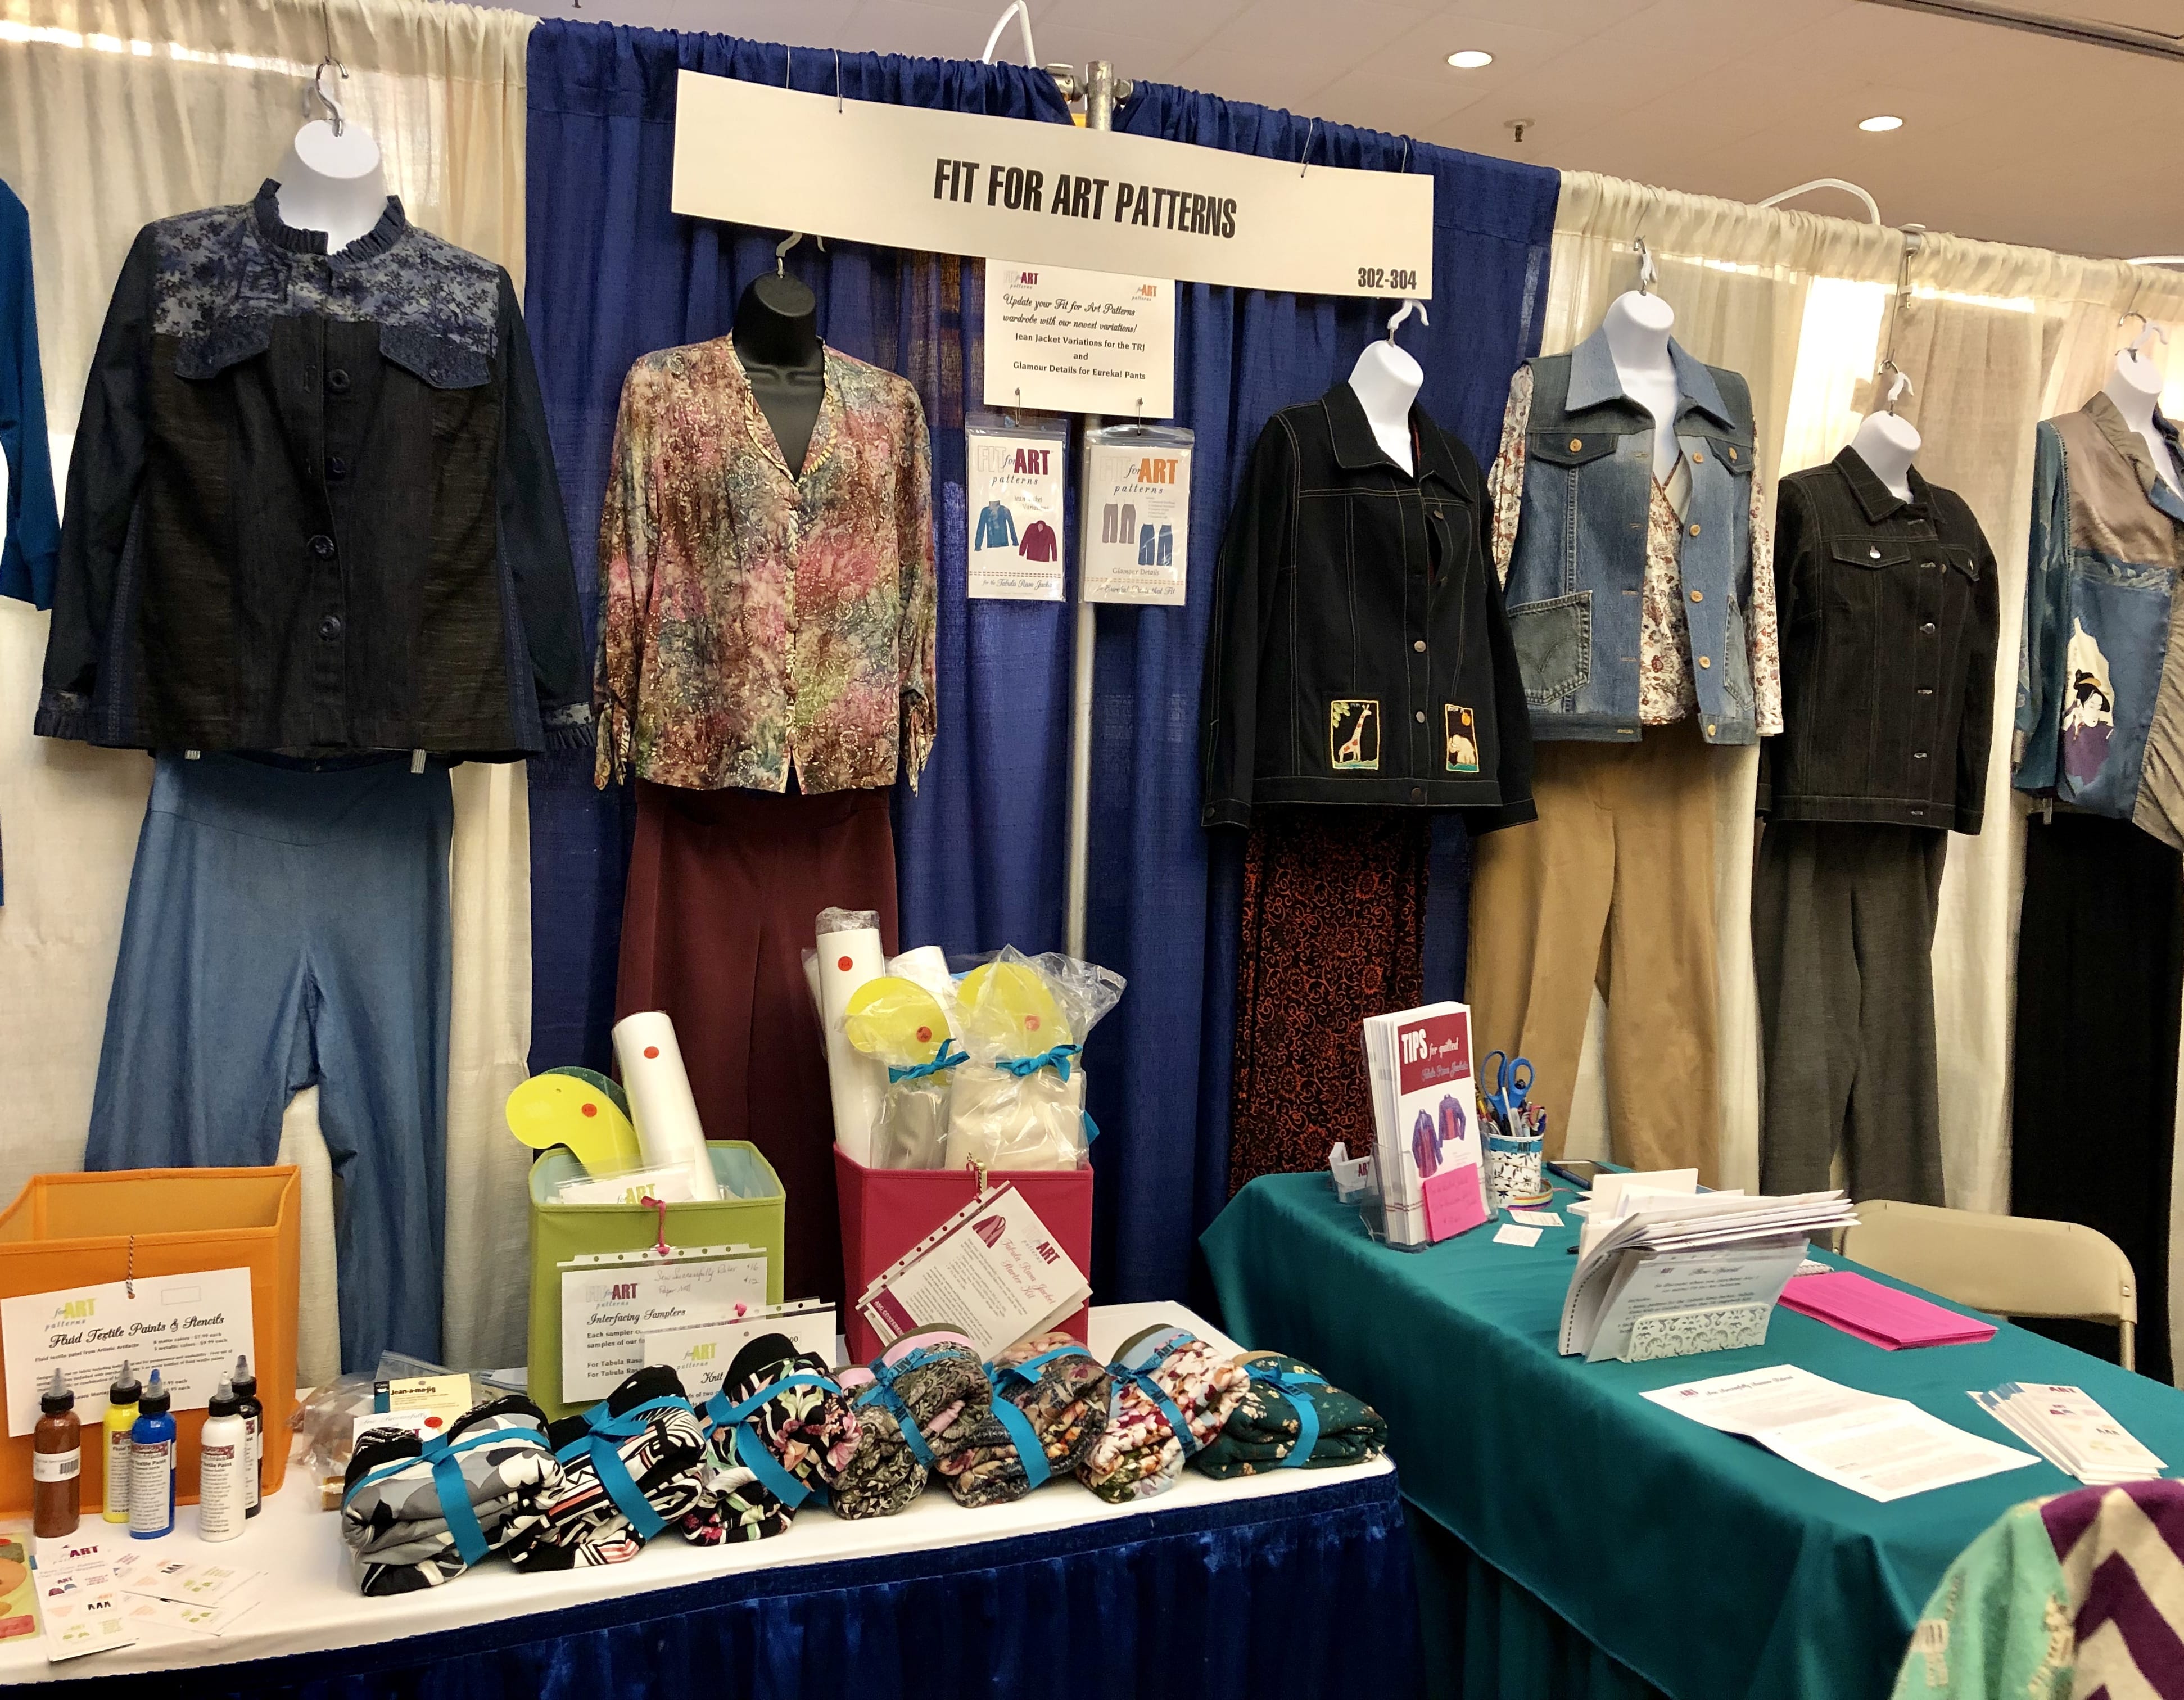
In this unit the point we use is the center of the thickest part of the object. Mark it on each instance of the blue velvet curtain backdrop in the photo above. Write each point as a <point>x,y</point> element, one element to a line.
<point>614,274</point>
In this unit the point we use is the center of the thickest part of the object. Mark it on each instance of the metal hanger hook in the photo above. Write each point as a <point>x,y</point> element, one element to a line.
<point>336,116</point>
<point>1648,276</point>
<point>781,249</point>
<point>1899,385</point>
<point>1410,305</point>
<point>2147,331</point>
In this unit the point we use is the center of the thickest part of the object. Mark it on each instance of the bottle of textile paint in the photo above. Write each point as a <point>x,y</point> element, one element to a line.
<point>56,1462</point>
<point>222,1467</point>
<point>151,1464</point>
<point>121,1417</point>
<point>245,1383</point>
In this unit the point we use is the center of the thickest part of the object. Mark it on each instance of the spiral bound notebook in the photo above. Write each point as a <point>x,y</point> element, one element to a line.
<point>993,1269</point>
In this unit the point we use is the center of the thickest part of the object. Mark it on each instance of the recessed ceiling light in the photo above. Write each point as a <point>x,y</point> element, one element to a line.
<point>1470,59</point>
<point>1883,121</point>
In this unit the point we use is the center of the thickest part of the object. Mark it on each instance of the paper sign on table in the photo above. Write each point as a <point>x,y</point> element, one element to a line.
<point>609,1303</point>
<point>1508,1235</point>
<point>81,1606</point>
<point>1883,1316</point>
<point>1536,1218</point>
<point>182,1579</point>
<point>993,1269</point>
<point>192,1327</point>
<point>1452,1203</point>
<point>700,1352</point>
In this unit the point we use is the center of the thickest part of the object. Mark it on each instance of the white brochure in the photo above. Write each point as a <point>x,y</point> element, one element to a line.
<point>82,1607</point>
<point>1079,341</point>
<point>700,1352</point>
<point>1881,1448</point>
<point>993,1270</point>
<point>607,1304</point>
<point>1137,515</point>
<point>1015,492</point>
<point>190,1328</point>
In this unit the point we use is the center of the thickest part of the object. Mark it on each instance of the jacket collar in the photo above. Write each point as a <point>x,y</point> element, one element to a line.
<point>1875,498</point>
<point>1355,447</point>
<point>2127,442</point>
<point>275,231</point>
<point>1593,379</point>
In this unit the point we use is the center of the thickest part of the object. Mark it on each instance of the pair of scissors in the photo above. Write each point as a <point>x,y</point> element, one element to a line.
<point>1512,1086</point>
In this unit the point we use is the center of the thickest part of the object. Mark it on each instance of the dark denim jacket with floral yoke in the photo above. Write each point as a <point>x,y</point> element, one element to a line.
<point>312,507</point>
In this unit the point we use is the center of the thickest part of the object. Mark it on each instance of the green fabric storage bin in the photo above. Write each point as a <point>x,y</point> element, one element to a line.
<point>560,1232</point>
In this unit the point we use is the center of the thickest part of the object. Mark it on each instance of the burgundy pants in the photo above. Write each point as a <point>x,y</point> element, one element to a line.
<point>723,889</point>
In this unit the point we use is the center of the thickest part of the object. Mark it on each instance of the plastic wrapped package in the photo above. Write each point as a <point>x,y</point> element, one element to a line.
<point>904,1026</point>
<point>1019,1102</point>
<point>848,955</point>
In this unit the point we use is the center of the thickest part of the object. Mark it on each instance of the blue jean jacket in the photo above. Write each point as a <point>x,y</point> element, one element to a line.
<point>1577,577</point>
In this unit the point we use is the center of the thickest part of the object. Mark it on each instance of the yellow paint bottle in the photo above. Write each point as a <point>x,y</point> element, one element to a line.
<point>120,1417</point>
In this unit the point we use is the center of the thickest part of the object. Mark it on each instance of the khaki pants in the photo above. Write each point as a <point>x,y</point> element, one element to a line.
<point>1611,886</point>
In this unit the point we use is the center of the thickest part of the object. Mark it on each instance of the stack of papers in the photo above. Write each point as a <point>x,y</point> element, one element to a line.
<point>1426,1148</point>
<point>1886,1317</point>
<point>2068,1429</point>
<point>1712,1254</point>
<point>1883,1448</point>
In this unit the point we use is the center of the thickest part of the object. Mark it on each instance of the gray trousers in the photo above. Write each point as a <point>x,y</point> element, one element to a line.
<point>1842,933</point>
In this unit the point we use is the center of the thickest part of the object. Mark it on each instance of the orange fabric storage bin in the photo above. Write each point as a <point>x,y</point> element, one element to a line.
<point>887,1211</point>
<point>75,1230</point>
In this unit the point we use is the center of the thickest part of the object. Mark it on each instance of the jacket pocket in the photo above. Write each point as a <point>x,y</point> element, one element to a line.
<point>443,362</point>
<point>1734,453</point>
<point>1570,447</point>
<point>1554,641</point>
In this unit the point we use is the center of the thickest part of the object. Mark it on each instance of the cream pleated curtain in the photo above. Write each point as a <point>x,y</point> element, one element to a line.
<point>1995,338</point>
<point>114,113</point>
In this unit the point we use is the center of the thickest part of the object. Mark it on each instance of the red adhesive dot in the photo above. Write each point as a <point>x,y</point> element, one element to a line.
<point>924,1033</point>
<point>844,965</point>
<point>591,1109</point>
<point>652,1051</point>
<point>1031,1023</point>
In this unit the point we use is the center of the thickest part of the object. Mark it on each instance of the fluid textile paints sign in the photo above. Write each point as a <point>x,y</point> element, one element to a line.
<point>952,183</point>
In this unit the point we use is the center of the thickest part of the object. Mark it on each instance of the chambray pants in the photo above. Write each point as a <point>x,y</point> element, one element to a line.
<point>1842,934</point>
<point>288,928</point>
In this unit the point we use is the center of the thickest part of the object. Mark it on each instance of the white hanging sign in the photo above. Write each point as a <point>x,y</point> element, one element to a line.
<point>1044,194</point>
<point>1015,485</point>
<point>1079,341</point>
<point>1137,515</point>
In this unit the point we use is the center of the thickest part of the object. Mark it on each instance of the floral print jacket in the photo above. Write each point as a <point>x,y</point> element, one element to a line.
<point>754,620</point>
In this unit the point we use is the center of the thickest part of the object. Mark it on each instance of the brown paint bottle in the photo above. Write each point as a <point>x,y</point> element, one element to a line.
<point>56,1462</point>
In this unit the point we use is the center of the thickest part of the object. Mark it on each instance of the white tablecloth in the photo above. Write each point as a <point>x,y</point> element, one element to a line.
<point>308,1602</point>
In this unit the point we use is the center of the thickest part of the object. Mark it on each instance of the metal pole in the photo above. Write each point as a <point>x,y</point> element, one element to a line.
<point>1101,92</point>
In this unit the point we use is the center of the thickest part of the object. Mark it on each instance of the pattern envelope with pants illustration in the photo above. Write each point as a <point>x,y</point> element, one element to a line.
<point>1643,617</point>
<point>287,929</point>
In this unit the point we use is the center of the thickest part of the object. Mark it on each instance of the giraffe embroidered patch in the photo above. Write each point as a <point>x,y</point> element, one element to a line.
<point>1353,734</point>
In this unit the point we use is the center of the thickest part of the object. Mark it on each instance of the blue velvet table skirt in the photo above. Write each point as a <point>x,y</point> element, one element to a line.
<point>1305,1594</point>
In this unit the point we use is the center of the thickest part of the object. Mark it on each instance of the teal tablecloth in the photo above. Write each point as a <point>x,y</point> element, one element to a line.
<point>1709,1567</point>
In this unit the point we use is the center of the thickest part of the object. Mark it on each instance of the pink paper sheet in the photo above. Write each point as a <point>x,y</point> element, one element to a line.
<point>1452,1203</point>
<point>1883,1316</point>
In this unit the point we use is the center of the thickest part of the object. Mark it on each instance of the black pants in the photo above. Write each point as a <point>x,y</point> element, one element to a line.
<point>2092,1129</point>
<point>1842,932</point>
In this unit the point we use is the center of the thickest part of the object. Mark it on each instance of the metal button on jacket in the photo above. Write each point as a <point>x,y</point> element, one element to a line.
<point>331,627</point>
<point>337,468</point>
<point>338,381</point>
<point>323,547</point>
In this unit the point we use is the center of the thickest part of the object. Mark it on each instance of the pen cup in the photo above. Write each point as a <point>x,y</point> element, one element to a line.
<point>1512,1167</point>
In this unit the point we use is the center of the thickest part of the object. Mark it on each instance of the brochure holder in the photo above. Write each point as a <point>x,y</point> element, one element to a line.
<point>885,1211</point>
<point>748,1212</point>
<point>77,1230</point>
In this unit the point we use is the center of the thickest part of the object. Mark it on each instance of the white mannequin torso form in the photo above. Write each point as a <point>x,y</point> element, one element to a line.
<point>2134,385</point>
<point>333,183</point>
<point>1887,444</point>
<point>1637,326</point>
<point>1386,381</point>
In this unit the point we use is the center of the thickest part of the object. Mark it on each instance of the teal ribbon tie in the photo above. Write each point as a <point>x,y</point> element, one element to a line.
<point>751,1450</point>
<point>882,1392</point>
<point>1293,1385</point>
<point>1037,1469</point>
<point>440,1454</point>
<point>1142,1378</point>
<point>600,1446</point>
<point>942,1059</point>
<point>1057,1059</point>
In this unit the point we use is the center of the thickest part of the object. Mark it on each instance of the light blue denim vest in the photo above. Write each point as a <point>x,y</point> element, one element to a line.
<point>1577,578</point>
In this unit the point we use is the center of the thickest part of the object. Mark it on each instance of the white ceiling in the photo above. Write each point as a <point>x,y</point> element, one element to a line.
<point>2007,135</point>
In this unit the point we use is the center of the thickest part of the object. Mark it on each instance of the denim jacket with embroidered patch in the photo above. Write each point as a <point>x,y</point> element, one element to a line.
<point>2100,714</point>
<point>1577,574</point>
<point>312,507</point>
<point>1358,653</point>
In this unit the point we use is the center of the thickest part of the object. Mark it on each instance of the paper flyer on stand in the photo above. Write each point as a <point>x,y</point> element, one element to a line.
<point>609,1303</point>
<point>993,1269</point>
<point>1427,1154</point>
<point>700,1352</point>
<point>193,1326</point>
<point>1016,475</point>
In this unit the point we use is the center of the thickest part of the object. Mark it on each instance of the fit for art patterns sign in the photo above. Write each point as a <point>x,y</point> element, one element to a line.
<point>1044,194</point>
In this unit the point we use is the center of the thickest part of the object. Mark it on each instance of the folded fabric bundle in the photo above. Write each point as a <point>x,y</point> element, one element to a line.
<point>1171,1393</point>
<point>1050,1409</point>
<point>920,1399</point>
<point>416,1511</point>
<point>629,1468</point>
<point>782,1429</point>
<point>1289,1418</point>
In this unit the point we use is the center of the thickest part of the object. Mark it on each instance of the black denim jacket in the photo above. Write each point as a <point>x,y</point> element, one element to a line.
<point>1359,653</point>
<point>312,508</point>
<point>1889,613</point>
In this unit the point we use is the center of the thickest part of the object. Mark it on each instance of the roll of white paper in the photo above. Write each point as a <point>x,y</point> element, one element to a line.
<point>927,967</point>
<point>846,961</point>
<point>660,1105</point>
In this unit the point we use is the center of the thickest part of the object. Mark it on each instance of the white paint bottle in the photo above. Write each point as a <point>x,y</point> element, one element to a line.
<point>223,1465</point>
